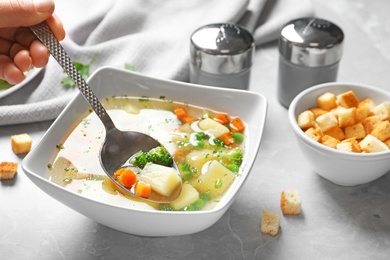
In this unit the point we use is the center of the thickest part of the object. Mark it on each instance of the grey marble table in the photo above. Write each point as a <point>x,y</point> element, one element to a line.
<point>336,222</point>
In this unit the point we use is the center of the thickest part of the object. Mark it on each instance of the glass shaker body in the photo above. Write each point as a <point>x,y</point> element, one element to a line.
<point>310,50</point>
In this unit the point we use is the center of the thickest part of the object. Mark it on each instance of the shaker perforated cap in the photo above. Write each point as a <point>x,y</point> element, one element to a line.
<point>311,42</point>
<point>222,48</point>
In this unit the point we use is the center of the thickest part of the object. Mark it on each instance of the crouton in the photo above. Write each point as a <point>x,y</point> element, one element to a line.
<point>367,103</point>
<point>21,144</point>
<point>270,223</point>
<point>327,121</point>
<point>318,111</point>
<point>329,141</point>
<point>8,170</point>
<point>290,202</point>
<point>314,133</point>
<point>306,120</point>
<point>349,145</point>
<point>361,114</point>
<point>370,123</point>
<point>336,132</point>
<point>327,101</point>
<point>347,99</point>
<point>382,130</point>
<point>382,110</point>
<point>387,142</point>
<point>371,144</point>
<point>347,117</point>
<point>356,130</point>
<point>350,121</point>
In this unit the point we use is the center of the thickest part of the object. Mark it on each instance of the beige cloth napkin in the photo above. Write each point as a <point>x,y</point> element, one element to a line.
<point>151,35</point>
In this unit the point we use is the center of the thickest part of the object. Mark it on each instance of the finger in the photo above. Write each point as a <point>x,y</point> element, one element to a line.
<point>15,49</point>
<point>39,54</point>
<point>5,46</point>
<point>23,60</point>
<point>57,27</point>
<point>9,72</point>
<point>24,36</point>
<point>15,13</point>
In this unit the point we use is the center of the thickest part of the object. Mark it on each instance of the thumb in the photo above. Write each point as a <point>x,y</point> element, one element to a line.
<point>15,13</point>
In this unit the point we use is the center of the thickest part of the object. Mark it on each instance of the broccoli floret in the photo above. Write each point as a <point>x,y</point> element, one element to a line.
<point>158,155</point>
<point>233,157</point>
<point>140,159</point>
<point>186,171</point>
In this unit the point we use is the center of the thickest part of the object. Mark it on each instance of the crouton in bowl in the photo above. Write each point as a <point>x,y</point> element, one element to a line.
<point>343,130</point>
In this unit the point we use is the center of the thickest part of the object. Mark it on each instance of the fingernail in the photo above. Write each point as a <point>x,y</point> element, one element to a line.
<point>43,6</point>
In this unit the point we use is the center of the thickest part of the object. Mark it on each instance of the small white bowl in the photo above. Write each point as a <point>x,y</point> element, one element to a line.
<point>342,168</point>
<point>107,82</point>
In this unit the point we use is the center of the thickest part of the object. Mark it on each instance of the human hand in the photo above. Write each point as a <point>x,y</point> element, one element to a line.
<point>19,48</point>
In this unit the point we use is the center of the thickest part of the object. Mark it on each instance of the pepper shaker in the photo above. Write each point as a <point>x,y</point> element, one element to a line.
<point>221,55</point>
<point>309,53</point>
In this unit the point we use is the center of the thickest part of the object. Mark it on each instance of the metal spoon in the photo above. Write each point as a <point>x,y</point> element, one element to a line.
<point>118,146</point>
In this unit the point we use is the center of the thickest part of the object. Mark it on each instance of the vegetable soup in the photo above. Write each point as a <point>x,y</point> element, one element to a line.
<point>207,146</point>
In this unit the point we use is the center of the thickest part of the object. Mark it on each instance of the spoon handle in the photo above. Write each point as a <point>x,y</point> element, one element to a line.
<point>45,35</point>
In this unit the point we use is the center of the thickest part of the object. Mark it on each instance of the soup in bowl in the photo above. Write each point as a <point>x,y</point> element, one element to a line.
<point>213,142</point>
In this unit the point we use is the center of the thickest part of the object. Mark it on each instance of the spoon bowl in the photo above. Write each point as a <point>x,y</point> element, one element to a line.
<point>118,146</point>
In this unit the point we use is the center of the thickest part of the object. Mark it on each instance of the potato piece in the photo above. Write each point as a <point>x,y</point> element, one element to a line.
<point>198,158</point>
<point>270,223</point>
<point>212,127</point>
<point>327,101</point>
<point>162,179</point>
<point>216,179</point>
<point>187,196</point>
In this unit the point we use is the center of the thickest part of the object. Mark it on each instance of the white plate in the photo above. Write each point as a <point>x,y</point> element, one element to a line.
<point>30,75</point>
<point>107,82</point>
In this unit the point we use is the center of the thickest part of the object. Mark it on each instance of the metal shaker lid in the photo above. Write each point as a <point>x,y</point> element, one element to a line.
<point>222,48</point>
<point>311,42</point>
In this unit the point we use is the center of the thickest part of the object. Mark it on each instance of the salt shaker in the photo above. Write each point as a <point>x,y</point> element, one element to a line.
<point>310,50</point>
<point>221,55</point>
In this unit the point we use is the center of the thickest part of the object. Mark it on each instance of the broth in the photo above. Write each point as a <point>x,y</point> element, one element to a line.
<point>77,166</point>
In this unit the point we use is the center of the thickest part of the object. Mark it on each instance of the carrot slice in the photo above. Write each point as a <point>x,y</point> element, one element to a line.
<point>227,138</point>
<point>187,119</point>
<point>180,112</point>
<point>118,172</point>
<point>222,119</point>
<point>127,178</point>
<point>236,125</point>
<point>142,189</point>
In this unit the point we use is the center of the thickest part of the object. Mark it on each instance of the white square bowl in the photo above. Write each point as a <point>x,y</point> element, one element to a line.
<point>107,82</point>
